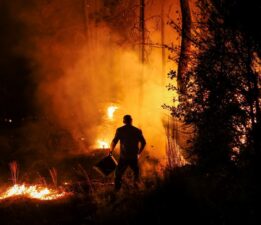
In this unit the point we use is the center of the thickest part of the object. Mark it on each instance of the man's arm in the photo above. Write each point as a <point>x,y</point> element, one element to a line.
<point>114,141</point>
<point>142,142</point>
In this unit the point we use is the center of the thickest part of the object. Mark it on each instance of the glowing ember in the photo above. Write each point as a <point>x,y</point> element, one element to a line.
<point>33,191</point>
<point>110,111</point>
<point>103,144</point>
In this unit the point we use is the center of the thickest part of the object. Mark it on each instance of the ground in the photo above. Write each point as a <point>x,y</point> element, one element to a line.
<point>183,195</point>
<point>186,195</point>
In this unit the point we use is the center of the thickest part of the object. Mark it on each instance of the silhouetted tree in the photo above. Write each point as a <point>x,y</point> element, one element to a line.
<point>220,96</point>
<point>242,16</point>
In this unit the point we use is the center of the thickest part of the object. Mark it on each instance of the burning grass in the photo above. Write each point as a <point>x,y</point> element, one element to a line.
<point>67,191</point>
<point>34,192</point>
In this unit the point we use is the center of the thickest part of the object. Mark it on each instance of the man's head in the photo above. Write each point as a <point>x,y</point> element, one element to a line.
<point>127,120</point>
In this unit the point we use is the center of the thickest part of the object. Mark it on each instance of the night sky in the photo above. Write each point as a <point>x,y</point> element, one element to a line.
<point>16,84</point>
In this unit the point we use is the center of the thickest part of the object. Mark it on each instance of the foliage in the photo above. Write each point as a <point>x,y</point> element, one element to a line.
<point>219,96</point>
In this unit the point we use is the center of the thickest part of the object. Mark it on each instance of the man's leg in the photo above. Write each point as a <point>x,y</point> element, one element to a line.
<point>134,165</point>
<point>120,169</point>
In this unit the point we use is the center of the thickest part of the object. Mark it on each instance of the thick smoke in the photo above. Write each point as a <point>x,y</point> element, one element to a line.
<point>84,57</point>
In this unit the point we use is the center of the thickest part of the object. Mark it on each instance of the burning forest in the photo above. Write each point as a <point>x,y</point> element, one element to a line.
<point>129,112</point>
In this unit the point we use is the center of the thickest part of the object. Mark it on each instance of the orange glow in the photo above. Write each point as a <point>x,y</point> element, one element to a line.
<point>81,74</point>
<point>103,144</point>
<point>110,112</point>
<point>33,192</point>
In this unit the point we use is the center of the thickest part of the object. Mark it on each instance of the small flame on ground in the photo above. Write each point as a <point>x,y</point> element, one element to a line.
<point>32,191</point>
<point>103,144</point>
<point>110,111</point>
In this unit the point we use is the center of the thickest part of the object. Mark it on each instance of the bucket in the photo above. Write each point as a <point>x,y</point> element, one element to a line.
<point>106,166</point>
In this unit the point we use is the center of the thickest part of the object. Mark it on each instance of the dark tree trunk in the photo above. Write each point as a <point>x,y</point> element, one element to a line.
<point>163,51</point>
<point>185,41</point>
<point>142,30</point>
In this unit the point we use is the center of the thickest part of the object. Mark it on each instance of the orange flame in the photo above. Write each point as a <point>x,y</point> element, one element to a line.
<point>110,111</point>
<point>33,191</point>
<point>103,144</point>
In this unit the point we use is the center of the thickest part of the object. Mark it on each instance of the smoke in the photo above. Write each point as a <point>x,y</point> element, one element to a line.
<point>84,57</point>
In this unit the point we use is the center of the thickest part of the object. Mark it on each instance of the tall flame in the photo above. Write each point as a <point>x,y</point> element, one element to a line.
<point>110,111</point>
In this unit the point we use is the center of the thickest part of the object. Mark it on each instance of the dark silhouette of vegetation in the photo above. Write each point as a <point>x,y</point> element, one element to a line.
<point>220,95</point>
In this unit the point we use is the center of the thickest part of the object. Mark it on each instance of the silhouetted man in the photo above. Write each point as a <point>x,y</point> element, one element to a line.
<point>132,144</point>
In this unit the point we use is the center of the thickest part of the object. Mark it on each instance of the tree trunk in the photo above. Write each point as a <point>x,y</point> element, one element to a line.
<point>142,52</point>
<point>142,31</point>
<point>163,51</point>
<point>185,41</point>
